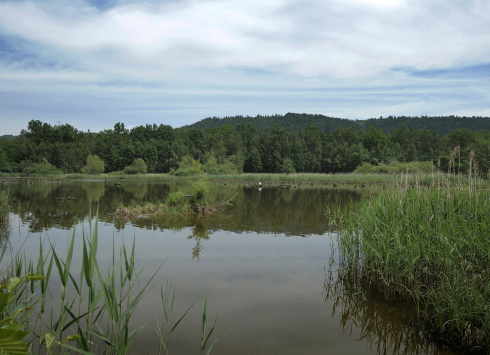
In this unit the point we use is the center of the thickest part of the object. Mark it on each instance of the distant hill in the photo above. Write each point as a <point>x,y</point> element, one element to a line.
<point>8,136</point>
<point>294,122</point>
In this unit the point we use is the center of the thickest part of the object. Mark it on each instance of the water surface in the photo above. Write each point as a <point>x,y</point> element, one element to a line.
<point>265,261</point>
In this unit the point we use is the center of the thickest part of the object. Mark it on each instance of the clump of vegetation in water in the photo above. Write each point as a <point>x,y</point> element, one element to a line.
<point>430,245</point>
<point>176,203</point>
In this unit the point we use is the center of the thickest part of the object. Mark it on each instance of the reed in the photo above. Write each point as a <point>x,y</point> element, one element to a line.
<point>429,245</point>
<point>96,306</point>
<point>5,205</point>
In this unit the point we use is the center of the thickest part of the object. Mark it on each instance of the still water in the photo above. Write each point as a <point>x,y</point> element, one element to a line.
<point>267,262</point>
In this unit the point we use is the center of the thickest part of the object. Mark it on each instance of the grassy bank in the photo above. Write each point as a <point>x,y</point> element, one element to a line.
<point>95,311</point>
<point>431,246</point>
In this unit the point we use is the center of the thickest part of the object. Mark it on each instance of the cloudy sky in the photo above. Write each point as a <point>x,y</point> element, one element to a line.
<point>93,63</point>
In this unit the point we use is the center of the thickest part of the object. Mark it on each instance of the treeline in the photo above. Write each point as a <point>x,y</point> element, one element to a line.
<point>295,122</point>
<point>43,148</point>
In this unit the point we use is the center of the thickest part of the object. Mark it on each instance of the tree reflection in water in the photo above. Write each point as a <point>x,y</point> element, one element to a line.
<point>388,326</point>
<point>199,233</point>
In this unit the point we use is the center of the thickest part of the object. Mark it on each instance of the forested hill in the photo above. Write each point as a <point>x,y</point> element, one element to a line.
<point>294,122</point>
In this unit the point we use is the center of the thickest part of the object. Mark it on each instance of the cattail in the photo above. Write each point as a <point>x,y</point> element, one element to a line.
<point>472,155</point>
<point>438,163</point>
<point>456,151</point>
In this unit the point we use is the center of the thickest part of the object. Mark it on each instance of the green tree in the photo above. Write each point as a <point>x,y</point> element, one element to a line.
<point>5,166</point>
<point>141,166</point>
<point>94,165</point>
<point>287,166</point>
<point>253,163</point>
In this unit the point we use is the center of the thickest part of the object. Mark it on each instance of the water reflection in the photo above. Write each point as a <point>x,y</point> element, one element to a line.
<point>270,210</point>
<point>200,233</point>
<point>262,259</point>
<point>389,327</point>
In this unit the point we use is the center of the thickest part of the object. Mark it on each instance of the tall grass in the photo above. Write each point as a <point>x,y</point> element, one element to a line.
<point>5,204</point>
<point>96,306</point>
<point>431,246</point>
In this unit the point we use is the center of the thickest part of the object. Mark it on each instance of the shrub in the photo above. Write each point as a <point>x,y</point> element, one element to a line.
<point>176,198</point>
<point>42,169</point>
<point>394,167</point>
<point>94,165</point>
<point>130,170</point>
<point>188,167</point>
<point>200,189</point>
<point>138,167</point>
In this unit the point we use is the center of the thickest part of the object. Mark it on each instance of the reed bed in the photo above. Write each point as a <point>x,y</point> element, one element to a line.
<point>94,315</point>
<point>429,245</point>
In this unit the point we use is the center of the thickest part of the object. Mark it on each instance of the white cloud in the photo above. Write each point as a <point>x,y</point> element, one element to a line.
<point>335,39</point>
<point>242,54</point>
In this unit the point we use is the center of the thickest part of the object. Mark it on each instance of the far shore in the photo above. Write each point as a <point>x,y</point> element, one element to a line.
<point>295,178</point>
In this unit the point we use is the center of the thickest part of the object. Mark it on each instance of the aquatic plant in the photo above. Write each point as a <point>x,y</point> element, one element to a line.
<point>429,245</point>
<point>95,314</point>
<point>5,204</point>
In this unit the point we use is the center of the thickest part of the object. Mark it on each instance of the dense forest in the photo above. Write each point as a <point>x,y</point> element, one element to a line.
<point>43,148</point>
<point>295,122</point>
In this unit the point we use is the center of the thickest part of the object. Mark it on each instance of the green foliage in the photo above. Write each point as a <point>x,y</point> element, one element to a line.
<point>430,246</point>
<point>98,310</point>
<point>138,167</point>
<point>42,169</point>
<point>295,122</point>
<point>200,190</point>
<point>314,143</point>
<point>176,198</point>
<point>253,162</point>
<point>212,167</point>
<point>94,165</point>
<point>394,167</point>
<point>287,166</point>
<point>11,331</point>
<point>189,167</point>
<point>5,204</point>
<point>5,166</point>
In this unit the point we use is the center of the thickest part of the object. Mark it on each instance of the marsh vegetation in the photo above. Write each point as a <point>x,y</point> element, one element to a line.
<point>427,245</point>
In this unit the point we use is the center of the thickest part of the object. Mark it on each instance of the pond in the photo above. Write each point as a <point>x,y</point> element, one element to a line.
<point>267,263</point>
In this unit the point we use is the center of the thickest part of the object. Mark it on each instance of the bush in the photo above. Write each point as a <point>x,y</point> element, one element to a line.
<point>212,167</point>
<point>394,167</point>
<point>138,167</point>
<point>42,169</point>
<point>188,167</point>
<point>200,190</point>
<point>94,165</point>
<point>130,170</point>
<point>176,198</point>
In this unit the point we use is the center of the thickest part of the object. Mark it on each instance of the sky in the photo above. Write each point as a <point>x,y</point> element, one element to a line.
<point>93,63</point>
